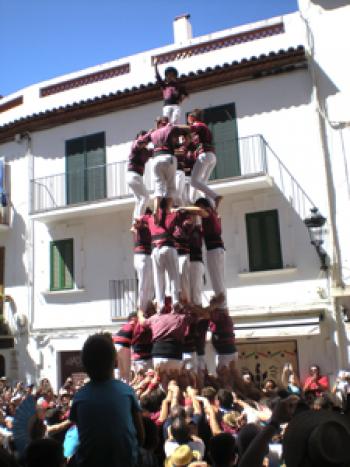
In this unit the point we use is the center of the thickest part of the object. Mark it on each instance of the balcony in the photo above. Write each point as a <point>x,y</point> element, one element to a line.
<point>246,164</point>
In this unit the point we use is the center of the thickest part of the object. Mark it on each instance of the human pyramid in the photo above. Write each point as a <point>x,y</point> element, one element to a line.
<point>168,332</point>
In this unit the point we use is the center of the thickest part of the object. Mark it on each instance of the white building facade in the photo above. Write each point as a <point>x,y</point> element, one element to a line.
<point>271,93</point>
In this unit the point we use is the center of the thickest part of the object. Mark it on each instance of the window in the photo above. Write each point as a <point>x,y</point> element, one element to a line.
<point>86,168</point>
<point>222,122</point>
<point>123,297</point>
<point>264,246</point>
<point>62,264</point>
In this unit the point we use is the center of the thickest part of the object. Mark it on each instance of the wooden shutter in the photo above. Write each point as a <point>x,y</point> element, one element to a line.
<point>222,123</point>
<point>95,167</point>
<point>86,168</point>
<point>75,171</point>
<point>264,246</point>
<point>62,264</point>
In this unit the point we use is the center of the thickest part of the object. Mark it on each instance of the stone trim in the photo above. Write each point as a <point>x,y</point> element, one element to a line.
<point>11,104</point>
<point>217,44</point>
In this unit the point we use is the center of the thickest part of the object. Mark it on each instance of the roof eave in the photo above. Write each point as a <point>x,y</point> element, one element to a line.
<point>247,69</point>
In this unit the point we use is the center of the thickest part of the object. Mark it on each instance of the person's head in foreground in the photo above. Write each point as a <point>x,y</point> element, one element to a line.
<point>98,357</point>
<point>223,450</point>
<point>44,453</point>
<point>317,439</point>
<point>183,456</point>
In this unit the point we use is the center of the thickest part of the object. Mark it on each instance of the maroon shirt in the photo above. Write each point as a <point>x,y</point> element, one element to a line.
<point>124,335</point>
<point>211,226</point>
<point>182,232</point>
<point>173,92</point>
<point>162,234</point>
<point>168,326</point>
<point>138,158</point>
<point>202,137</point>
<point>141,343</point>
<point>142,237</point>
<point>223,336</point>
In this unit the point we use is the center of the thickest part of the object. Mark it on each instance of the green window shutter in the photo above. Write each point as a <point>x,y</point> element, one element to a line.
<point>96,168</point>
<point>62,264</point>
<point>264,245</point>
<point>86,168</point>
<point>223,125</point>
<point>75,170</point>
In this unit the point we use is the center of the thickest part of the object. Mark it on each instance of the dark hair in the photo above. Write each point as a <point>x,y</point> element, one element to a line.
<point>151,434</point>
<point>141,133</point>
<point>225,398</point>
<point>36,428</point>
<point>171,69</point>
<point>6,459</point>
<point>245,436</point>
<point>222,448</point>
<point>43,453</point>
<point>197,114</point>
<point>163,212</point>
<point>209,392</point>
<point>132,315</point>
<point>203,202</point>
<point>98,357</point>
<point>153,400</point>
<point>177,411</point>
<point>148,210</point>
<point>180,430</point>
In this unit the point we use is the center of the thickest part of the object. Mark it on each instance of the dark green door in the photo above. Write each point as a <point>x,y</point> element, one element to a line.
<point>86,168</point>
<point>222,122</point>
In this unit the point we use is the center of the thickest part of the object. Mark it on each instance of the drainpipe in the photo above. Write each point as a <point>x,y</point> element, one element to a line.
<point>336,279</point>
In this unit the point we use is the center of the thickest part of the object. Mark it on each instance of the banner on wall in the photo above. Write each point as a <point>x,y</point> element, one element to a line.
<point>265,360</point>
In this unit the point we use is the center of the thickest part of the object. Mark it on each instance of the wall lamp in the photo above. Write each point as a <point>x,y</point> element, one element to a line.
<point>316,226</point>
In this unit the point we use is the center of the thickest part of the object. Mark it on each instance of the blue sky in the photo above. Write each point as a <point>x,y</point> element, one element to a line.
<point>41,39</point>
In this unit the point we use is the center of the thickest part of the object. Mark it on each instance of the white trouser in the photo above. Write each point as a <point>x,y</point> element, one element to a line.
<point>173,112</point>
<point>201,362</point>
<point>216,269</point>
<point>164,259</point>
<point>201,172</point>
<point>136,185</point>
<point>167,364</point>
<point>189,194</point>
<point>164,171</point>
<point>226,359</point>
<point>196,282</point>
<point>184,271</point>
<point>180,188</point>
<point>143,267</point>
<point>190,361</point>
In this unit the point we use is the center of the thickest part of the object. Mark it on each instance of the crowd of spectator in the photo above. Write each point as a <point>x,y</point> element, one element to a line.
<point>176,419</point>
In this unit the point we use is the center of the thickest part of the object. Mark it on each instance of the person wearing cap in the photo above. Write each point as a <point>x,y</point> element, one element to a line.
<point>138,158</point>
<point>206,158</point>
<point>173,92</point>
<point>183,456</point>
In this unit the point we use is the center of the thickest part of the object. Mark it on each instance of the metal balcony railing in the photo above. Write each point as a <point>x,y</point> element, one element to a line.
<point>123,297</point>
<point>246,157</point>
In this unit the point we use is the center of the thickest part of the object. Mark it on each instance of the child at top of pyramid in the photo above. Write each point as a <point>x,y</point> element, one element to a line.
<point>173,92</point>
